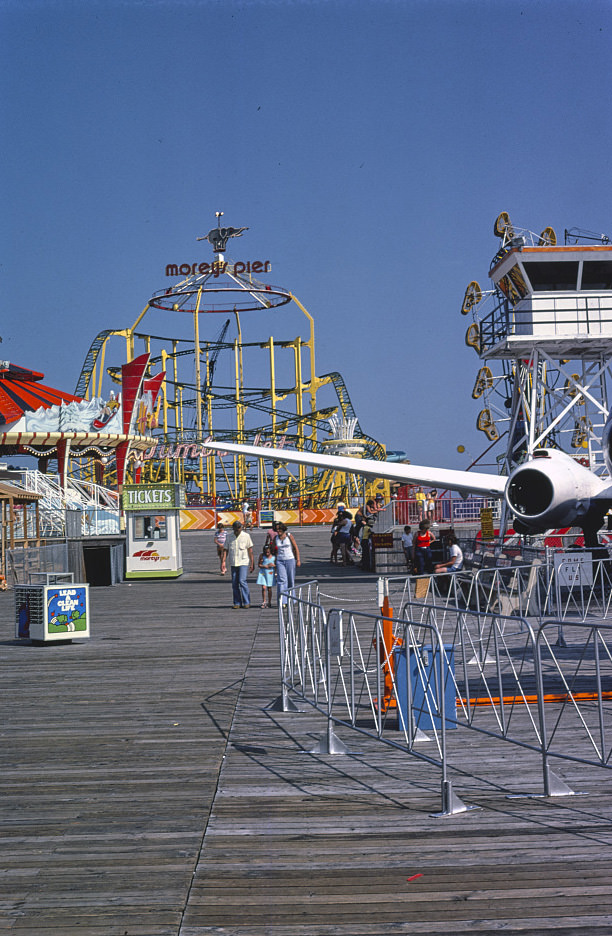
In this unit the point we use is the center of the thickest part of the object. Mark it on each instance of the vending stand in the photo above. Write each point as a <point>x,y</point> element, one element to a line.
<point>153,530</point>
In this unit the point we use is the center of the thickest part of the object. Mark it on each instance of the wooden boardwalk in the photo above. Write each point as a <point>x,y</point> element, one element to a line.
<point>147,791</point>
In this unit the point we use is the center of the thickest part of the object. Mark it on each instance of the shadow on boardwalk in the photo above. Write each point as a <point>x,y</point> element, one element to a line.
<point>146,790</point>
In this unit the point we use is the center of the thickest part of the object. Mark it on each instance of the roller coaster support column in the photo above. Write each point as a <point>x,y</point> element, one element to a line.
<point>100,367</point>
<point>273,399</point>
<point>164,357</point>
<point>211,478</point>
<point>129,333</point>
<point>240,463</point>
<point>198,380</point>
<point>299,405</point>
<point>315,383</point>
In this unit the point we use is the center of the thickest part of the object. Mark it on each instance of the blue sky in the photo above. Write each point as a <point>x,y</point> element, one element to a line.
<point>368,146</point>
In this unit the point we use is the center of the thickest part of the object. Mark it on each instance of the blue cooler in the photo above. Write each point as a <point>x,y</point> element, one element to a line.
<point>428,671</point>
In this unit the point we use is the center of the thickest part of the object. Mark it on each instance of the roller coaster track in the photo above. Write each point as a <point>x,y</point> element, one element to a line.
<point>89,363</point>
<point>375,449</point>
<point>287,423</point>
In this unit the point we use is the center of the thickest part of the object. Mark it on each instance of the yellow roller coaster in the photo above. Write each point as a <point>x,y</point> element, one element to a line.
<point>205,391</point>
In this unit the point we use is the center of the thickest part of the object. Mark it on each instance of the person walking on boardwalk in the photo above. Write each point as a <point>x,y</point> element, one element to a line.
<point>271,537</point>
<point>287,558</point>
<point>247,516</point>
<point>240,551</point>
<point>266,577</point>
<point>220,540</point>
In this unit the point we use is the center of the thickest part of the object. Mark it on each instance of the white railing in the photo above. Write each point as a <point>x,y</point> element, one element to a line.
<point>342,663</point>
<point>99,506</point>
<point>448,510</point>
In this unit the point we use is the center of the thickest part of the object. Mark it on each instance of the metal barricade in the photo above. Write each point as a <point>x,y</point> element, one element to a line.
<point>408,677</point>
<point>343,664</point>
<point>581,585</point>
<point>569,586</point>
<point>576,691</point>
<point>22,562</point>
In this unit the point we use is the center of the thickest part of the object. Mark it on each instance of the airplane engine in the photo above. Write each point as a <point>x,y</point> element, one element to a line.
<point>553,490</point>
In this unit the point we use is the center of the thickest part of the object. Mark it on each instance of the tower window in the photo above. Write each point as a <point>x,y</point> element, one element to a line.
<point>552,277</point>
<point>597,274</point>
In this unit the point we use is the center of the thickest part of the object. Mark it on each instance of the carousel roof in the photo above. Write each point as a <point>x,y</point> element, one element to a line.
<point>21,390</point>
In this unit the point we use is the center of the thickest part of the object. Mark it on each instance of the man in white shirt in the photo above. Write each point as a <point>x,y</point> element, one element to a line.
<point>240,550</point>
<point>455,561</point>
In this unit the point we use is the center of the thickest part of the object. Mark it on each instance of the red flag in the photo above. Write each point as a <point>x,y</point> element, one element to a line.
<point>131,381</point>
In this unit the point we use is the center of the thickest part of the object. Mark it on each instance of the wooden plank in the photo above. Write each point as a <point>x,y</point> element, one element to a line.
<point>146,790</point>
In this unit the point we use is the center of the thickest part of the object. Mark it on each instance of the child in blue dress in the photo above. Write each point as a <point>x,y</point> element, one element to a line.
<point>266,577</point>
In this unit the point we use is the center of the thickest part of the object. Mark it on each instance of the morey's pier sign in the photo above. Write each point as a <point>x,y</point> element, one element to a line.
<point>218,267</point>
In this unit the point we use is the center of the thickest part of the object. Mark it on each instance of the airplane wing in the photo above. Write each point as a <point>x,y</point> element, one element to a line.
<point>465,482</point>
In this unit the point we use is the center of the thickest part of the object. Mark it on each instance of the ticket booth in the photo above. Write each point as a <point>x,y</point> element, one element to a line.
<point>153,530</point>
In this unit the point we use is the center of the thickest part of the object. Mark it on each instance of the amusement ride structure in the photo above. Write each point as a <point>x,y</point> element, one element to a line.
<point>543,333</point>
<point>206,388</point>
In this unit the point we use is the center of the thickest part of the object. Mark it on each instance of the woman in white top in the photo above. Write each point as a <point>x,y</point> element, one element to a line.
<point>287,558</point>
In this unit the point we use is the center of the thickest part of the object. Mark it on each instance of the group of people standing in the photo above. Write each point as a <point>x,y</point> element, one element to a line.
<point>277,562</point>
<point>426,504</point>
<point>417,549</point>
<point>280,555</point>
<point>351,534</point>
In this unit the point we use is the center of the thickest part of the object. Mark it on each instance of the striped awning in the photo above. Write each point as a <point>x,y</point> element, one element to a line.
<point>21,390</point>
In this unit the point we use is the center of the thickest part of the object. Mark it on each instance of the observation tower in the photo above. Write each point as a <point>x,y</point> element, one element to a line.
<point>543,333</point>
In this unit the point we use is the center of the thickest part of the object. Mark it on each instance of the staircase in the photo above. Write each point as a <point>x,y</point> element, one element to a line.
<point>98,506</point>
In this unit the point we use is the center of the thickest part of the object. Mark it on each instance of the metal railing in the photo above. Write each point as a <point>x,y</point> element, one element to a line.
<point>22,563</point>
<point>570,314</point>
<point>344,665</point>
<point>448,510</point>
<point>99,505</point>
<point>412,677</point>
<point>511,591</point>
<point>572,586</point>
<point>577,688</point>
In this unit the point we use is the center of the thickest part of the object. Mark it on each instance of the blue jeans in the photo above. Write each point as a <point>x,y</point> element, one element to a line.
<point>285,577</point>
<point>240,589</point>
<point>423,559</point>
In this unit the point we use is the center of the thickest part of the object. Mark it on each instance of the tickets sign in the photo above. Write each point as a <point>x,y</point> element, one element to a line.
<point>153,497</point>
